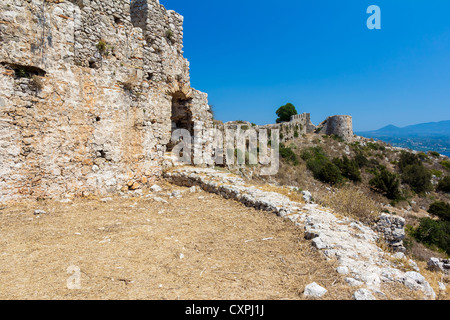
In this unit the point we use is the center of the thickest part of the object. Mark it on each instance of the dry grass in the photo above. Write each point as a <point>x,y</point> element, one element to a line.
<point>351,202</point>
<point>290,194</point>
<point>36,82</point>
<point>130,249</point>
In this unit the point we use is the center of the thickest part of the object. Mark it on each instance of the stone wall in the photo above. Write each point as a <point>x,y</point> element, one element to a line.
<point>86,94</point>
<point>301,124</point>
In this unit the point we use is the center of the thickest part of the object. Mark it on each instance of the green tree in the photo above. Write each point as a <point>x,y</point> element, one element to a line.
<point>435,233</point>
<point>322,168</point>
<point>414,173</point>
<point>285,112</point>
<point>289,155</point>
<point>441,210</point>
<point>386,182</point>
<point>349,168</point>
<point>444,185</point>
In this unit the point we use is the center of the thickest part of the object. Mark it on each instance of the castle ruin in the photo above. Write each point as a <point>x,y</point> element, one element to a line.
<point>90,93</point>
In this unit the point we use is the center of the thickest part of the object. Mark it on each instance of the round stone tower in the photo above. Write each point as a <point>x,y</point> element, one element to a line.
<point>341,126</point>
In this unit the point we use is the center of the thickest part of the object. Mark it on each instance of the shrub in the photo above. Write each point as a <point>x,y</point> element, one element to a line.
<point>408,159</point>
<point>434,154</point>
<point>22,73</point>
<point>170,35</point>
<point>441,210</point>
<point>444,185</point>
<point>322,168</point>
<point>434,233</point>
<point>329,173</point>
<point>446,164</point>
<point>349,168</point>
<point>422,156</point>
<point>289,155</point>
<point>337,138</point>
<point>417,177</point>
<point>414,173</point>
<point>361,160</point>
<point>375,146</point>
<point>436,173</point>
<point>102,46</point>
<point>312,152</point>
<point>387,183</point>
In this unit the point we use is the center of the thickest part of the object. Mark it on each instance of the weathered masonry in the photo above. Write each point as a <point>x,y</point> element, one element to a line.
<point>90,92</point>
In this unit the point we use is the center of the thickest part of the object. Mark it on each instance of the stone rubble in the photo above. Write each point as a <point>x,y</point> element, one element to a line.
<point>393,229</point>
<point>352,243</point>
<point>436,264</point>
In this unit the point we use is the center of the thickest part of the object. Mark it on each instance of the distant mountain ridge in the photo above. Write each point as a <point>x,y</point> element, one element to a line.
<point>441,128</point>
<point>431,136</point>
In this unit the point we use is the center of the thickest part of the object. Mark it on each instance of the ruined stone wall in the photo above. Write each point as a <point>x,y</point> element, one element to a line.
<point>341,126</point>
<point>86,93</point>
<point>300,124</point>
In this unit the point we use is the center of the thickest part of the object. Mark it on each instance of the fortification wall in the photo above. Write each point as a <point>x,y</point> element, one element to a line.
<point>86,95</point>
<point>340,125</point>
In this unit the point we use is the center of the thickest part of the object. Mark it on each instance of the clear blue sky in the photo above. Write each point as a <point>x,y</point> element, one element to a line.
<point>253,56</point>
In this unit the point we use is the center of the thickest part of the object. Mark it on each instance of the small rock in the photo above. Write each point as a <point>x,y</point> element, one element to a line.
<point>176,194</point>
<point>38,212</point>
<point>417,277</point>
<point>158,199</point>
<point>155,188</point>
<point>307,196</point>
<point>363,294</point>
<point>413,265</point>
<point>319,244</point>
<point>342,270</point>
<point>106,199</point>
<point>353,282</point>
<point>314,290</point>
<point>399,255</point>
<point>194,189</point>
<point>434,264</point>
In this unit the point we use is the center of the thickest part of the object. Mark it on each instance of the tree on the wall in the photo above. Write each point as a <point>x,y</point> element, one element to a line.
<point>285,112</point>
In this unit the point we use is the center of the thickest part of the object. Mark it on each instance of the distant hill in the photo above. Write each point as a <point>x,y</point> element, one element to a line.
<point>431,136</point>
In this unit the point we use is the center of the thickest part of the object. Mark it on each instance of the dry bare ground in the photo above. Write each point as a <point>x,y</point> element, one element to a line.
<point>198,247</point>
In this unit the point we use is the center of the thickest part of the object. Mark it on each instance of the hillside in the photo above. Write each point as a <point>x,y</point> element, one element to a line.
<point>347,181</point>
<point>432,136</point>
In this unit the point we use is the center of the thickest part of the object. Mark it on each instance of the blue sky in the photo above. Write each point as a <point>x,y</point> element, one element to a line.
<point>253,56</point>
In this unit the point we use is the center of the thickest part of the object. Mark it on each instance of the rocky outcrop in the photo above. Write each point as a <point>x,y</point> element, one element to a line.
<point>392,228</point>
<point>442,265</point>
